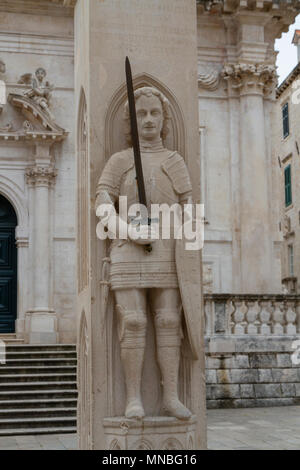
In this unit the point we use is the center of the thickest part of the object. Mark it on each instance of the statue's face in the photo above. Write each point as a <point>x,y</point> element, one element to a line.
<point>40,75</point>
<point>150,117</point>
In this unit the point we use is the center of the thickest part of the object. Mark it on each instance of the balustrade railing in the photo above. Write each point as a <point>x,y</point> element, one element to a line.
<point>230,314</point>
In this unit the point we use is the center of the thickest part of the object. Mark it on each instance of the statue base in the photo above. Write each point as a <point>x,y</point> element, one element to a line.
<point>150,433</point>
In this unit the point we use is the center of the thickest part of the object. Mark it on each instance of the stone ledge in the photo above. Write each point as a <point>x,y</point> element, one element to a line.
<point>220,345</point>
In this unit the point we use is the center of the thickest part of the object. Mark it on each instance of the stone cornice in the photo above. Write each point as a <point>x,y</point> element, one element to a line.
<point>280,14</point>
<point>232,6</point>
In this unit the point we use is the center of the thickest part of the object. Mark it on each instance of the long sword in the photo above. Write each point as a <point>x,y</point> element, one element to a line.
<point>136,142</point>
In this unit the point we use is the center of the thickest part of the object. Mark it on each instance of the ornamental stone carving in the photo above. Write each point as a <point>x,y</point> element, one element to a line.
<point>41,89</point>
<point>41,176</point>
<point>209,80</point>
<point>242,77</point>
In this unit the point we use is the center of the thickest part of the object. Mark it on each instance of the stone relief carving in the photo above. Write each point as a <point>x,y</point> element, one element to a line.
<point>209,80</point>
<point>142,445</point>
<point>41,89</point>
<point>115,445</point>
<point>138,278</point>
<point>261,77</point>
<point>172,444</point>
<point>41,176</point>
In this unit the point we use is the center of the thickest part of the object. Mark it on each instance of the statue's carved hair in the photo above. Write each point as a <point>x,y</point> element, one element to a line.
<point>41,69</point>
<point>148,91</point>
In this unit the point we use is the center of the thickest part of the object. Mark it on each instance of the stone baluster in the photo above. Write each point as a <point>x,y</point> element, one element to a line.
<point>265,317</point>
<point>278,319</point>
<point>239,317</point>
<point>290,318</point>
<point>252,316</point>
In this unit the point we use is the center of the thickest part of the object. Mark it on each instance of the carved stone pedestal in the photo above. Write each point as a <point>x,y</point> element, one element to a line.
<point>151,433</point>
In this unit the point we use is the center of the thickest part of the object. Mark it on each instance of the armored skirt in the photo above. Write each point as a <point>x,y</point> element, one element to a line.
<point>166,182</point>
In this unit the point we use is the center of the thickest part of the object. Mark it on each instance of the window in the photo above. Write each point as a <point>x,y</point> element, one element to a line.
<point>288,186</point>
<point>285,120</point>
<point>291,259</point>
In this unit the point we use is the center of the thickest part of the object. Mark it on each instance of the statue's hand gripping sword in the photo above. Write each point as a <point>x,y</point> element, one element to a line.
<point>136,143</point>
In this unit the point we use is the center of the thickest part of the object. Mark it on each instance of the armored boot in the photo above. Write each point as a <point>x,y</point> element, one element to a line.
<point>132,334</point>
<point>168,336</point>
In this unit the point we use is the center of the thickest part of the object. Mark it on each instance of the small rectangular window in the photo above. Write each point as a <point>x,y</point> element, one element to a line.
<point>288,186</point>
<point>291,259</point>
<point>285,120</point>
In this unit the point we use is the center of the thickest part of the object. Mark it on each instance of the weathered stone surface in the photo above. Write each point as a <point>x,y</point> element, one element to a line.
<point>284,360</point>
<point>224,391</point>
<point>267,391</point>
<point>285,375</point>
<point>260,361</point>
<point>247,391</point>
<point>288,390</point>
<point>265,375</point>
<point>211,376</point>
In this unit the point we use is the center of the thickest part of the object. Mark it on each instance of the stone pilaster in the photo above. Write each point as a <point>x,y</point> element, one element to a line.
<point>252,83</point>
<point>41,321</point>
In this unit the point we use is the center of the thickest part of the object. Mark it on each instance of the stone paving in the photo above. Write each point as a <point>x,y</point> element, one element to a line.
<point>240,429</point>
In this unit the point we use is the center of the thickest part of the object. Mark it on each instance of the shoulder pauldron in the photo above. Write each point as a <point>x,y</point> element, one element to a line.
<point>177,171</point>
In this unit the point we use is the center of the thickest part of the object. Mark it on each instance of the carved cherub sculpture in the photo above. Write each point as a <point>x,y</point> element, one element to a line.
<point>40,91</point>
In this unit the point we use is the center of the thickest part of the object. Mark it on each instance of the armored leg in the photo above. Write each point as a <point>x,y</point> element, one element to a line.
<point>132,335</point>
<point>168,337</point>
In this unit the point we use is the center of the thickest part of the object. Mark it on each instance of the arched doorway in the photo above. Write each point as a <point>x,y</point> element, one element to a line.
<point>8,267</point>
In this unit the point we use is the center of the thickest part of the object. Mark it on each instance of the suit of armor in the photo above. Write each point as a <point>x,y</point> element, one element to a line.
<point>137,276</point>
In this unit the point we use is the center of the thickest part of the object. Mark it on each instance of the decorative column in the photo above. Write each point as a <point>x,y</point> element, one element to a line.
<point>41,318</point>
<point>22,242</point>
<point>252,83</point>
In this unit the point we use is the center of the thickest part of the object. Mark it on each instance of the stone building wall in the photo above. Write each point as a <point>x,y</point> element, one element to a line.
<point>32,35</point>
<point>287,152</point>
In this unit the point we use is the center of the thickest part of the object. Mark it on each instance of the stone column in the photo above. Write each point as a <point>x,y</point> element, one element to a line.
<point>160,39</point>
<point>252,83</point>
<point>22,243</point>
<point>41,318</point>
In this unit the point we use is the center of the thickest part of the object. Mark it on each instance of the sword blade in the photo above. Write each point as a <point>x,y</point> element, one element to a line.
<point>135,136</point>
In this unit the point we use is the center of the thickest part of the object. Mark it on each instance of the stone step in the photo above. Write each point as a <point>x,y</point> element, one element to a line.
<point>11,341</point>
<point>38,389</point>
<point>37,386</point>
<point>39,394</point>
<point>46,354</point>
<point>14,378</point>
<point>4,370</point>
<point>42,422</point>
<point>37,404</point>
<point>25,413</point>
<point>42,347</point>
<point>39,362</point>
<point>29,431</point>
